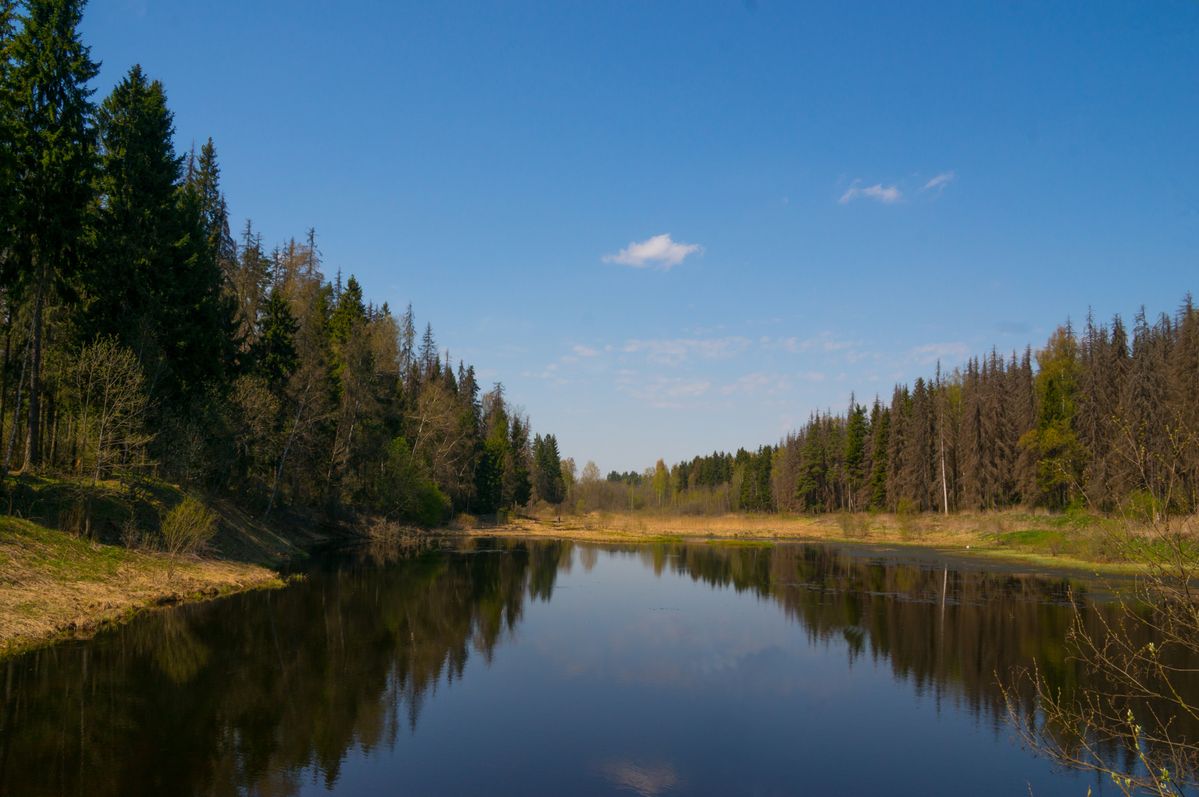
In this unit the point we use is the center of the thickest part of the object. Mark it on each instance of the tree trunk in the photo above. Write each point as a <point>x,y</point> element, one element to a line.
<point>33,431</point>
<point>16,415</point>
<point>4,372</point>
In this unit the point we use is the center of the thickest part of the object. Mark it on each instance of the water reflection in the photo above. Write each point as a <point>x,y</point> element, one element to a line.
<point>273,693</point>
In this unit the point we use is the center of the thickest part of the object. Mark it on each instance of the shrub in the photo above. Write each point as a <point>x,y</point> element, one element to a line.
<point>431,506</point>
<point>188,527</point>
<point>465,521</point>
<point>132,535</point>
<point>853,525</point>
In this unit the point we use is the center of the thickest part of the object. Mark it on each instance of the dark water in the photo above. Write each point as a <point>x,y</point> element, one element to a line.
<point>518,667</point>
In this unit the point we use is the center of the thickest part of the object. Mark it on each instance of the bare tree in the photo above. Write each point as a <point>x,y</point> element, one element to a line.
<point>1137,720</point>
<point>111,407</point>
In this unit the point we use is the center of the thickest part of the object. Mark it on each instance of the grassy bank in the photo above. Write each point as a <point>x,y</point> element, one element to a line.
<point>68,568</point>
<point>1080,541</point>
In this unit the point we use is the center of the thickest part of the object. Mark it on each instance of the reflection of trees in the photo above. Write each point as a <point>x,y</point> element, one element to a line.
<point>949,633</point>
<point>240,695</point>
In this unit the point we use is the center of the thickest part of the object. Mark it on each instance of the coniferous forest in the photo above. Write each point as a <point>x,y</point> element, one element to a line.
<point>145,334</point>
<point>1104,418</point>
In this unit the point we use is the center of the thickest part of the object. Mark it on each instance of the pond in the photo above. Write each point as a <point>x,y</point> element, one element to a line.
<point>508,666</point>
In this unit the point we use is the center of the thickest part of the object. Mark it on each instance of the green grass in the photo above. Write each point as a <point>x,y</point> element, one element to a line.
<point>54,583</point>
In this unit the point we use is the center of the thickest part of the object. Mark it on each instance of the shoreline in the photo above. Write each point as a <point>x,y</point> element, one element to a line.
<point>72,588</point>
<point>55,586</point>
<point>958,538</point>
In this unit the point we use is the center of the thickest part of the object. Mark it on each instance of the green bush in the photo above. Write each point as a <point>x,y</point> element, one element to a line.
<point>431,507</point>
<point>188,527</point>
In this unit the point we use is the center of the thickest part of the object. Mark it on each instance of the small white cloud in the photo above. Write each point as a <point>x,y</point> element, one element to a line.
<point>660,251</point>
<point>940,181</point>
<point>887,194</point>
<point>584,351</point>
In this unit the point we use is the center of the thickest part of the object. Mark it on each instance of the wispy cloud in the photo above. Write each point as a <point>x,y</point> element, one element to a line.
<point>663,392</point>
<point>660,251</point>
<point>674,351</point>
<point>755,384</point>
<point>824,342</point>
<point>584,351</point>
<point>887,194</point>
<point>940,181</point>
<point>930,353</point>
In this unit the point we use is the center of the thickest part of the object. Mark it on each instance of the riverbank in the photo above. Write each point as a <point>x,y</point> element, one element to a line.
<point>58,583</point>
<point>1086,543</point>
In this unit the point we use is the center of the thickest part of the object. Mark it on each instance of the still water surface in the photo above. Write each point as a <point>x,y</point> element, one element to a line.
<point>495,667</point>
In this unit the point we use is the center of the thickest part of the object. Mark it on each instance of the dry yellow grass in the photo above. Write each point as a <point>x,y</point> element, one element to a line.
<point>924,529</point>
<point>54,585</point>
<point>1086,543</point>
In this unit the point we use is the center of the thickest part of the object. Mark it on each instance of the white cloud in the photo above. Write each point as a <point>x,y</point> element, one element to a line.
<point>584,351</point>
<point>660,251</point>
<point>887,194</point>
<point>940,181</point>
<point>674,351</point>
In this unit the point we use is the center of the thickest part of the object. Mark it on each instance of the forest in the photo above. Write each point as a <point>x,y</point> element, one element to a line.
<point>1101,418</point>
<point>143,339</point>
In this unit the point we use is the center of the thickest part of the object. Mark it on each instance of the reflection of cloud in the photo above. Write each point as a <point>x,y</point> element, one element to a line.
<point>644,779</point>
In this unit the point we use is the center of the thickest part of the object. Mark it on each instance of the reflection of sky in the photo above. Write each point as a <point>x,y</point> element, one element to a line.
<point>630,683</point>
<point>664,631</point>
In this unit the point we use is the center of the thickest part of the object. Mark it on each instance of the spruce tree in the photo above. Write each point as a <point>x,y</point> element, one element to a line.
<point>53,148</point>
<point>138,221</point>
<point>8,174</point>
<point>518,450</point>
<point>274,349</point>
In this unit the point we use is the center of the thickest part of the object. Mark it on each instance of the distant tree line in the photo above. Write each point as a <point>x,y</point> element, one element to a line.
<point>1090,420</point>
<point>141,335</point>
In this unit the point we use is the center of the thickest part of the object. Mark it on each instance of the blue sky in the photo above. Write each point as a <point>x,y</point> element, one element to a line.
<point>672,227</point>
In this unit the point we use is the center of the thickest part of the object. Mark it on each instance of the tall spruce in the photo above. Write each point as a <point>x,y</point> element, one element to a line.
<point>54,160</point>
